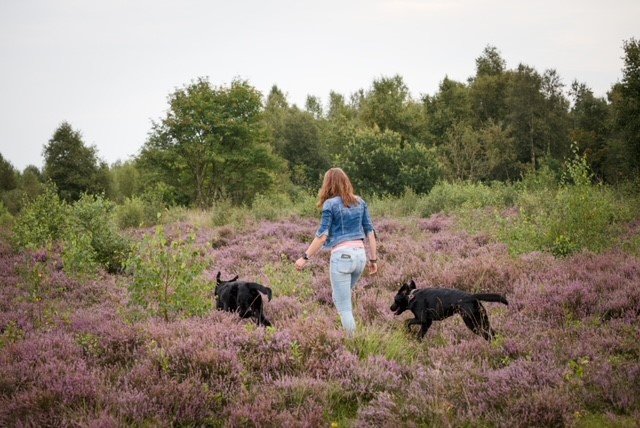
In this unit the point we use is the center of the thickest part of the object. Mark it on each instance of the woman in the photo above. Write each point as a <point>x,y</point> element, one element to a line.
<point>344,226</point>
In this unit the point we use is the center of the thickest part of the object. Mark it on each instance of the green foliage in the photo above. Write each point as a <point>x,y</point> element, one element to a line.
<point>379,162</point>
<point>42,221</point>
<point>86,230</point>
<point>131,213</point>
<point>79,257</point>
<point>126,181</point>
<point>142,210</point>
<point>408,204</point>
<point>299,143</point>
<point>92,236</point>
<point>11,333</point>
<point>567,219</point>
<point>72,166</point>
<point>290,281</point>
<point>272,207</point>
<point>450,197</point>
<point>224,212</point>
<point>6,218</point>
<point>7,175</point>
<point>626,105</point>
<point>211,144</point>
<point>392,343</point>
<point>167,277</point>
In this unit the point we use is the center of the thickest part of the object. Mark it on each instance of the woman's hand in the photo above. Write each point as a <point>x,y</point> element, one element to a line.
<point>373,268</point>
<point>300,263</point>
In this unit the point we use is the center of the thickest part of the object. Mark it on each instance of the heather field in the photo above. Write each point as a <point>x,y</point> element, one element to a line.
<point>76,351</point>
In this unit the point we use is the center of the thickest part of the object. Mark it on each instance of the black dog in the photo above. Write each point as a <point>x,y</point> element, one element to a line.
<point>436,304</point>
<point>242,297</point>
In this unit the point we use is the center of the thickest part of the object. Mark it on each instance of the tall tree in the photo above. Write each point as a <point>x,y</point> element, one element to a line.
<point>381,162</point>
<point>590,127</point>
<point>314,106</point>
<point>525,104</point>
<point>389,106</point>
<point>626,104</point>
<point>307,158</point>
<point>7,175</point>
<point>450,105</point>
<point>212,142</point>
<point>487,88</point>
<point>74,167</point>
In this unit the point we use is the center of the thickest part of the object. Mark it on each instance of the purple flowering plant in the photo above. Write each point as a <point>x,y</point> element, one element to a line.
<point>566,351</point>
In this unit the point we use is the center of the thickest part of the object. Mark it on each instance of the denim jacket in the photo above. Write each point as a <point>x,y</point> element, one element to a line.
<point>344,224</point>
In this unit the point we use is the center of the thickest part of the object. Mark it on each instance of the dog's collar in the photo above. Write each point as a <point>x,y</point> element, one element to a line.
<point>412,295</point>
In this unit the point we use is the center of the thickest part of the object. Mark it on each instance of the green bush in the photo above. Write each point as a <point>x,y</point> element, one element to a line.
<point>167,277</point>
<point>42,221</point>
<point>131,213</point>
<point>462,196</point>
<point>271,207</point>
<point>92,234</point>
<point>562,220</point>
<point>6,219</point>
<point>86,230</point>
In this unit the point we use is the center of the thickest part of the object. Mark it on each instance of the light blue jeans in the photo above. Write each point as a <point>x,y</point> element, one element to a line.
<point>346,269</point>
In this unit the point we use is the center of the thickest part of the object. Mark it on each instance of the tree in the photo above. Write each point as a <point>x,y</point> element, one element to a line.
<point>464,157</point>
<point>388,105</point>
<point>212,144</point>
<point>303,150</point>
<point>590,127</point>
<point>126,180</point>
<point>380,162</point>
<point>7,175</point>
<point>275,111</point>
<point>313,106</point>
<point>626,105</point>
<point>487,88</point>
<point>525,104</point>
<point>73,167</point>
<point>449,106</point>
<point>490,63</point>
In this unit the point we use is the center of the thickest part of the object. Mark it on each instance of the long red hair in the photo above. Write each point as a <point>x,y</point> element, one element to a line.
<point>337,183</point>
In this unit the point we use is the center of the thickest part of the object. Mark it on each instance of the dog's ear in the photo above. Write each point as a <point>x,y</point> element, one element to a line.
<point>412,285</point>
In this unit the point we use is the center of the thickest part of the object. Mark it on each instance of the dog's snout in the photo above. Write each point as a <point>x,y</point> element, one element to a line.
<point>393,307</point>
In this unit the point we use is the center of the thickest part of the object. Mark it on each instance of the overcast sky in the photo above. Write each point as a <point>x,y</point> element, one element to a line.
<point>108,66</point>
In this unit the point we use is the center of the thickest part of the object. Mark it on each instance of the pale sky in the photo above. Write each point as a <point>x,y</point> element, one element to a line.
<point>108,66</point>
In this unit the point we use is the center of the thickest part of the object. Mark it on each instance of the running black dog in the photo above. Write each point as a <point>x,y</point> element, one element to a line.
<point>436,304</point>
<point>242,297</point>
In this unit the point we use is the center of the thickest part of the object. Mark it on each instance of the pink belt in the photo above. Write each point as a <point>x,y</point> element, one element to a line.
<point>348,244</point>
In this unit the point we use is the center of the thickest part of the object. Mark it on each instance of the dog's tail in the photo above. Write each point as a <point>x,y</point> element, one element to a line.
<point>491,297</point>
<point>261,288</point>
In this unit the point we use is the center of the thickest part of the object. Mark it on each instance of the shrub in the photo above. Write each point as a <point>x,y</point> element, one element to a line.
<point>271,207</point>
<point>6,218</point>
<point>92,235</point>
<point>167,276</point>
<point>131,214</point>
<point>42,221</point>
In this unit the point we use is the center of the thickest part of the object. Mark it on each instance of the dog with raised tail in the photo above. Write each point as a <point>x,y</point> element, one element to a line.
<point>242,297</point>
<point>436,304</point>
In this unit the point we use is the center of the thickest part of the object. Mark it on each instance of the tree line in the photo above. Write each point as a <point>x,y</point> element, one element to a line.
<point>232,143</point>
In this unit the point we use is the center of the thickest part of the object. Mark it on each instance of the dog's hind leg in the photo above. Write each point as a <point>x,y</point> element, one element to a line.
<point>477,321</point>
<point>424,326</point>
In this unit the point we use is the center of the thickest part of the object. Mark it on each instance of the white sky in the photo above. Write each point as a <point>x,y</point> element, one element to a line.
<point>108,66</point>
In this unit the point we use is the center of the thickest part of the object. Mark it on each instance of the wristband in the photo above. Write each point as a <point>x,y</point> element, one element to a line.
<point>373,260</point>
<point>305,256</point>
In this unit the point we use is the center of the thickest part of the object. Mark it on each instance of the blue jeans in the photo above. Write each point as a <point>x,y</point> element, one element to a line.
<point>346,268</point>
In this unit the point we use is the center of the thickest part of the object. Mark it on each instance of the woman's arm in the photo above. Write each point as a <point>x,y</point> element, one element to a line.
<point>373,253</point>
<point>314,247</point>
